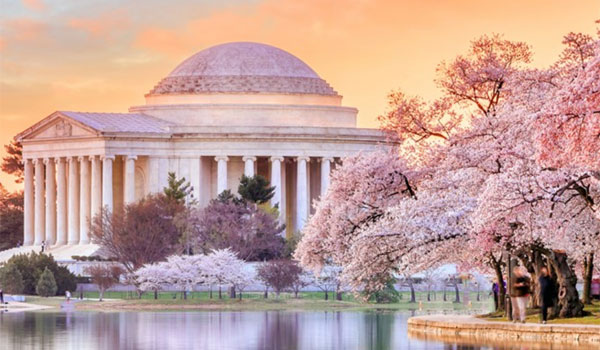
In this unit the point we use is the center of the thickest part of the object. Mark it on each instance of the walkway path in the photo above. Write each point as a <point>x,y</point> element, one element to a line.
<point>465,328</point>
<point>16,306</point>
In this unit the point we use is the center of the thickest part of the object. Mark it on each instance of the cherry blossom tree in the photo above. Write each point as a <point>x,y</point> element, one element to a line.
<point>475,183</point>
<point>152,277</point>
<point>351,204</point>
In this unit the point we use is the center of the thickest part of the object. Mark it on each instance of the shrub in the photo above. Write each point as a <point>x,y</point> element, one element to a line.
<point>46,286</point>
<point>31,266</point>
<point>11,280</point>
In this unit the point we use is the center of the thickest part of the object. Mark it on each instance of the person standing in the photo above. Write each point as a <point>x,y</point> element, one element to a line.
<point>519,293</point>
<point>43,246</point>
<point>495,291</point>
<point>1,297</point>
<point>547,292</point>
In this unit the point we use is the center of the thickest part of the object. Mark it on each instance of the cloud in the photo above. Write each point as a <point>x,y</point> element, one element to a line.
<point>37,5</point>
<point>106,26</point>
<point>269,20</point>
<point>23,30</point>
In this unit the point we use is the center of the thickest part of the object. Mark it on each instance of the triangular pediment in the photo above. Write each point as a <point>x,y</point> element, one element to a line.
<point>56,126</point>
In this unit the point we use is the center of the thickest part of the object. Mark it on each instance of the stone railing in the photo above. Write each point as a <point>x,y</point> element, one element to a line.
<point>471,330</point>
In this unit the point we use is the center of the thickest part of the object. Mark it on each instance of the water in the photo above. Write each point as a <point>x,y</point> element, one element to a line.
<point>272,330</point>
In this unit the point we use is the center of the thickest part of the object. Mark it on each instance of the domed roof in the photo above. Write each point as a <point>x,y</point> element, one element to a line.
<point>245,59</point>
<point>243,67</point>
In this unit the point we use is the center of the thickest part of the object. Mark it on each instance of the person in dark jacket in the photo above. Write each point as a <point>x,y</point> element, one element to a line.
<point>519,293</point>
<point>547,292</point>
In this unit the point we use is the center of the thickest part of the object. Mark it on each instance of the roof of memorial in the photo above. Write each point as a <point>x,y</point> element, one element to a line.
<point>243,67</point>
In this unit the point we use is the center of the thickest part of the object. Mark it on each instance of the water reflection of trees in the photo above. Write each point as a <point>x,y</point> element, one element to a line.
<point>378,330</point>
<point>279,331</point>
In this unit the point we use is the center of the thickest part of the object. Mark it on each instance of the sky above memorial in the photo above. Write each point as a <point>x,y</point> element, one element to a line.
<point>104,55</point>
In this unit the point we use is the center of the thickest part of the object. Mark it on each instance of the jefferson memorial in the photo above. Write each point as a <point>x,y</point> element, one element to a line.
<point>232,109</point>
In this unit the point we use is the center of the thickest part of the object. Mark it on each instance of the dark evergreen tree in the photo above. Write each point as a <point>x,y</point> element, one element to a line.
<point>256,189</point>
<point>179,190</point>
<point>46,286</point>
<point>11,280</point>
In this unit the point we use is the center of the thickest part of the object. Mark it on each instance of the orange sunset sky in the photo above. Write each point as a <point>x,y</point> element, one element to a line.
<point>104,55</point>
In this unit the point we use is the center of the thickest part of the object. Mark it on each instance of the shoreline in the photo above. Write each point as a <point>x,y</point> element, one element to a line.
<point>461,328</point>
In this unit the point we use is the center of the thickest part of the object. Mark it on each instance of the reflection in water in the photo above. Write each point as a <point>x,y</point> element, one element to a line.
<point>223,330</point>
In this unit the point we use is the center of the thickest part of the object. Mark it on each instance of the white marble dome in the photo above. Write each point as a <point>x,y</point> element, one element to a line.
<point>243,67</point>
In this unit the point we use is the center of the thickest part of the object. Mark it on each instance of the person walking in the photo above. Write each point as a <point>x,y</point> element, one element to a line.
<point>519,293</point>
<point>547,293</point>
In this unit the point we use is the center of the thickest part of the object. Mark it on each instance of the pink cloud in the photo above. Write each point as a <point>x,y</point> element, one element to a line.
<point>103,26</point>
<point>24,29</point>
<point>37,5</point>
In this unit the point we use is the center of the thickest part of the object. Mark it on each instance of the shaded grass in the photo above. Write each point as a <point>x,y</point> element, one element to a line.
<point>592,316</point>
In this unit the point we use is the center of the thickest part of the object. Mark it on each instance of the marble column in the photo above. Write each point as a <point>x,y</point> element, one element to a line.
<point>249,165</point>
<point>85,200</point>
<point>73,203</point>
<point>276,182</point>
<point>61,203</point>
<point>153,176</point>
<point>195,178</point>
<point>40,220</point>
<point>107,182</point>
<point>325,172</point>
<point>28,214</point>
<point>301,192</point>
<point>130,179</point>
<point>221,173</point>
<point>96,187</point>
<point>50,201</point>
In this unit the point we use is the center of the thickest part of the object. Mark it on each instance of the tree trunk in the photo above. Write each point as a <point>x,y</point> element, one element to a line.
<point>232,292</point>
<point>338,296</point>
<point>220,293</point>
<point>413,298</point>
<point>184,293</point>
<point>501,290</point>
<point>445,298</point>
<point>155,294</point>
<point>588,271</point>
<point>266,295</point>
<point>428,294</point>
<point>568,304</point>
<point>101,294</point>
<point>210,292</point>
<point>326,295</point>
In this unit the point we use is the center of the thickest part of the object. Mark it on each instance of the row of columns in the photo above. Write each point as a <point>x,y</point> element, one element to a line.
<point>58,208</point>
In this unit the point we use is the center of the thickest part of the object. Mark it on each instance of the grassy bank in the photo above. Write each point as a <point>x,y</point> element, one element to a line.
<point>592,316</point>
<point>118,301</point>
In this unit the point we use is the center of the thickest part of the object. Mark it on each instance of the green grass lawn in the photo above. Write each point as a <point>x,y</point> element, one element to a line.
<point>592,316</point>
<point>286,301</point>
